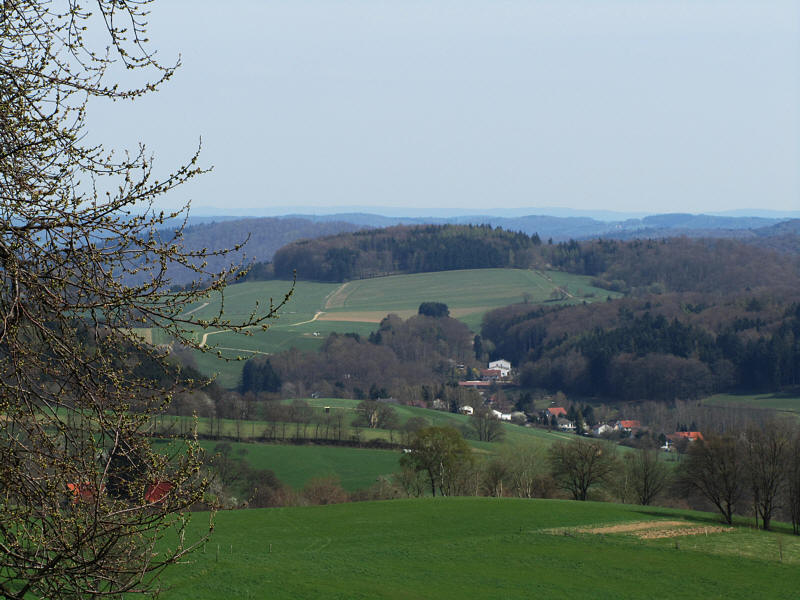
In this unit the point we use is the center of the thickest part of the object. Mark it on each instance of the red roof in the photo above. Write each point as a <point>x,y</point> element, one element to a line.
<point>557,411</point>
<point>491,372</point>
<point>156,492</point>
<point>631,424</point>
<point>474,383</point>
<point>85,491</point>
<point>689,435</point>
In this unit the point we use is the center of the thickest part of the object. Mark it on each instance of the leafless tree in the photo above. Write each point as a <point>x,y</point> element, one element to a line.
<point>793,482</point>
<point>84,263</point>
<point>715,469</point>
<point>766,450</point>
<point>647,475</point>
<point>486,425</point>
<point>580,464</point>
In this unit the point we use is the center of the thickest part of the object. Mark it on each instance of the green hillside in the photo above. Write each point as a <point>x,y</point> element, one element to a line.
<point>252,430</point>
<point>356,468</point>
<point>787,402</point>
<point>317,309</point>
<point>482,548</point>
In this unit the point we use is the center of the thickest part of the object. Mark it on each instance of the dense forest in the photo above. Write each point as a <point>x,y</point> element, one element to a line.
<point>676,265</point>
<point>404,249</point>
<point>662,347</point>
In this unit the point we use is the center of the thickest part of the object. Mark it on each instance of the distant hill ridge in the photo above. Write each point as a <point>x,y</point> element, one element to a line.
<point>268,234</point>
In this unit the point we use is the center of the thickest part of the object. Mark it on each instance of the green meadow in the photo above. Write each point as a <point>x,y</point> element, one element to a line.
<point>318,309</point>
<point>254,430</point>
<point>478,548</point>
<point>777,401</point>
<point>357,468</point>
<point>296,465</point>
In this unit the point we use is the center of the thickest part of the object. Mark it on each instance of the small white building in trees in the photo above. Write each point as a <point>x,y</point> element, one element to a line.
<point>501,365</point>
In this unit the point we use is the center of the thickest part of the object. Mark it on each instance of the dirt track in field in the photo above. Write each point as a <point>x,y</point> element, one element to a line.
<point>651,530</point>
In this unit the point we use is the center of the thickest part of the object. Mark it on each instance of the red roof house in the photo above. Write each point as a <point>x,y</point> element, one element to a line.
<point>630,424</point>
<point>156,492</point>
<point>688,435</point>
<point>557,411</point>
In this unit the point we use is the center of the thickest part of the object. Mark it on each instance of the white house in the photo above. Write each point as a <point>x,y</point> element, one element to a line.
<point>466,410</point>
<point>501,365</point>
<point>566,425</point>
<point>602,428</point>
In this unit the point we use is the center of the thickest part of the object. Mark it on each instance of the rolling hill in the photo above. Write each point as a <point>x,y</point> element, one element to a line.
<point>482,548</point>
<point>317,309</point>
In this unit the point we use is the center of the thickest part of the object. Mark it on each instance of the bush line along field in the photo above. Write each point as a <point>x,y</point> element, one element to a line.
<point>479,548</point>
<point>357,468</point>
<point>254,430</point>
<point>317,309</point>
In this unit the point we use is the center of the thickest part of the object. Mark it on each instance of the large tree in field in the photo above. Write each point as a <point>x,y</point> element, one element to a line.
<point>766,456</point>
<point>647,474</point>
<point>580,464</point>
<point>441,453</point>
<point>83,498</point>
<point>715,468</point>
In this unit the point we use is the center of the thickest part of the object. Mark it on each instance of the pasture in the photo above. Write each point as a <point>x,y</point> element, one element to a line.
<point>254,430</point>
<point>296,465</point>
<point>785,402</point>
<point>317,309</point>
<point>357,468</point>
<point>481,548</point>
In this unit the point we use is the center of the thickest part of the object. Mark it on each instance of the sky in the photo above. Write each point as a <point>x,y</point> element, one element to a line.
<point>497,105</point>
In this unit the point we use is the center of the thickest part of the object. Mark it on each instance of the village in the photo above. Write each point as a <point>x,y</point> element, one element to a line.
<point>567,419</point>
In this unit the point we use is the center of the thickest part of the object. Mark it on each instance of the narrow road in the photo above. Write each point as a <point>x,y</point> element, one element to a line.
<point>314,318</point>
<point>194,310</point>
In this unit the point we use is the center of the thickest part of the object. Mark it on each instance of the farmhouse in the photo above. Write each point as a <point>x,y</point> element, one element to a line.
<point>566,425</point>
<point>627,426</point>
<point>501,365</point>
<point>474,383</point>
<point>601,428</point>
<point>491,374</point>
<point>466,410</point>
<point>501,415</point>
<point>556,411</point>
<point>692,436</point>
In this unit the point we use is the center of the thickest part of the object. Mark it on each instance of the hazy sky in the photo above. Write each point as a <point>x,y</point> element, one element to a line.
<point>655,106</point>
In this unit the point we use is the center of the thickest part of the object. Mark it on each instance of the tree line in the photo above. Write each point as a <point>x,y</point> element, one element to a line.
<point>665,347</point>
<point>404,249</point>
<point>635,266</point>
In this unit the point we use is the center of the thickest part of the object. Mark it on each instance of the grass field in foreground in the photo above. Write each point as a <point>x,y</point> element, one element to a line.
<point>317,309</point>
<point>782,402</point>
<point>477,548</point>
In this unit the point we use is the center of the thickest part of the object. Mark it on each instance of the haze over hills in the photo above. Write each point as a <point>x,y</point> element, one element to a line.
<point>266,235</point>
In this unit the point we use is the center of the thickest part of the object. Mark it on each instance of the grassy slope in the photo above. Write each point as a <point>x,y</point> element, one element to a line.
<point>474,548</point>
<point>775,401</point>
<point>356,467</point>
<point>469,294</point>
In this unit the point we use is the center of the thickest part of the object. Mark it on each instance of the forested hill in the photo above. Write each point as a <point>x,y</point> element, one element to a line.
<point>676,265</point>
<point>637,266</point>
<point>405,249</point>
<point>660,347</point>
